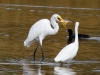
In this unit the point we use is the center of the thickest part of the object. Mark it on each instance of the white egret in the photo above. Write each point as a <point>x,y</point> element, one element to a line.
<point>41,29</point>
<point>69,51</point>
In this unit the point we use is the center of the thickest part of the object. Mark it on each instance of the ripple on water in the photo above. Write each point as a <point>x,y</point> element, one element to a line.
<point>8,7</point>
<point>47,61</point>
<point>96,70</point>
<point>30,67</point>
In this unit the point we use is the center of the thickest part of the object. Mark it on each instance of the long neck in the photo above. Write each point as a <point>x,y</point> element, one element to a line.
<point>55,28</point>
<point>76,35</point>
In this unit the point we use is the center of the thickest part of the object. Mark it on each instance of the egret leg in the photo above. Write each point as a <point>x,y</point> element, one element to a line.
<point>35,52</point>
<point>61,63</point>
<point>42,53</point>
<point>68,64</point>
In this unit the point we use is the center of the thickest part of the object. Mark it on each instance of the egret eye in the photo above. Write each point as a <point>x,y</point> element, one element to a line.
<point>58,19</point>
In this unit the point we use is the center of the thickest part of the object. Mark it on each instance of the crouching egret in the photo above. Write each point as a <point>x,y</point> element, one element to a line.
<point>69,51</point>
<point>41,29</point>
<point>71,35</point>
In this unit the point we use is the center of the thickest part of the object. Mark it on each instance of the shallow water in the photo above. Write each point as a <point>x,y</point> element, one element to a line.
<point>25,67</point>
<point>16,17</point>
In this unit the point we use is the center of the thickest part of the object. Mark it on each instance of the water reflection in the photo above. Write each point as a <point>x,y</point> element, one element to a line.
<point>28,70</point>
<point>63,71</point>
<point>93,38</point>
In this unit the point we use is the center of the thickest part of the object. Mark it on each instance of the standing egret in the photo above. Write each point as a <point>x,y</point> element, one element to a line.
<point>41,29</point>
<point>69,51</point>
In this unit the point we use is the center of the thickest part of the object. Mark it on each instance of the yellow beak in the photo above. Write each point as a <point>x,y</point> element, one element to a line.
<point>63,22</point>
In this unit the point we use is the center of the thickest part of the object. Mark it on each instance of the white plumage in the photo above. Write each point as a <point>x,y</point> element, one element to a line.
<point>38,31</point>
<point>69,51</point>
<point>41,29</point>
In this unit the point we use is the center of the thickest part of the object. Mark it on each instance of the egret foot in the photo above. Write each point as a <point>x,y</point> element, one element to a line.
<point>42,59</point>
<point>61,63</point>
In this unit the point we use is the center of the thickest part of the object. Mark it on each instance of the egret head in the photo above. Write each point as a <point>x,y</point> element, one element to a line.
<point>61,20</point>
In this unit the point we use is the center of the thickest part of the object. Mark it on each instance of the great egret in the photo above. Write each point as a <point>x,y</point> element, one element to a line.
<point>69,51</point>
<point>41,29</point>
<point>71,35</point>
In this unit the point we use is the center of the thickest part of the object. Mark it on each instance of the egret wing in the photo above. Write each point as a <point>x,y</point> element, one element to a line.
<point>66,52</point>
<point>35,31</point>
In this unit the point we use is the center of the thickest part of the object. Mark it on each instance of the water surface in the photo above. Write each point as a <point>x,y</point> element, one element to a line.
<point>16,17</point>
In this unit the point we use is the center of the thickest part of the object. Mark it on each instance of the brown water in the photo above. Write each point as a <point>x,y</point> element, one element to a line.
<point>16,18</point>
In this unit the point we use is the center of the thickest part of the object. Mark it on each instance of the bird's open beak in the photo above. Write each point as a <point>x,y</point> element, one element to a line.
<point>63,22</point>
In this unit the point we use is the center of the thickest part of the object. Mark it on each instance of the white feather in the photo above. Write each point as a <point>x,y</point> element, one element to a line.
<point>69,51</point>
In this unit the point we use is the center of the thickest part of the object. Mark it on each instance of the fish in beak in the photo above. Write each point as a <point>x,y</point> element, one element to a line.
<point>63,22</point>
